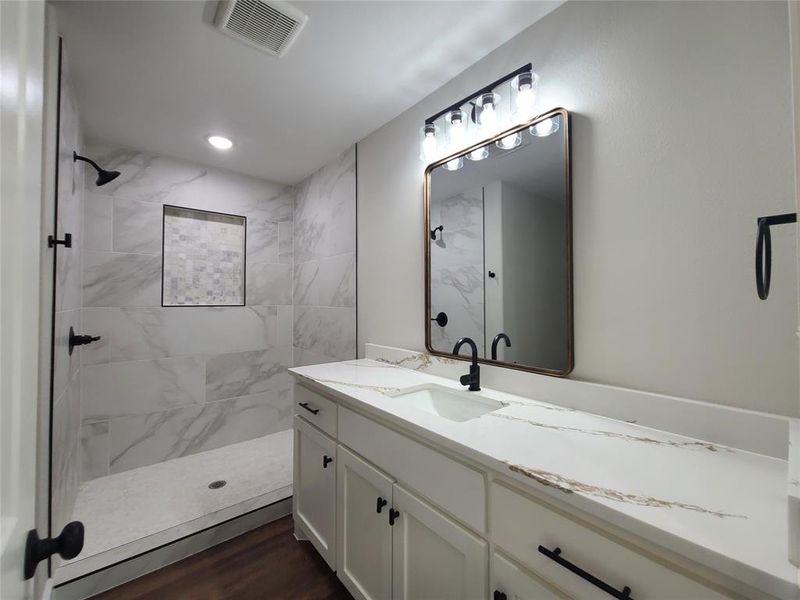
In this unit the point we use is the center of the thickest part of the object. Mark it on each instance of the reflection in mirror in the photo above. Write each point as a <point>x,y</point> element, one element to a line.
<point>500,261</point>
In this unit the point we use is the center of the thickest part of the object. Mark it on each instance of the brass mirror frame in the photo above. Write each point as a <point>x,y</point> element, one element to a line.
<point>565,125</point>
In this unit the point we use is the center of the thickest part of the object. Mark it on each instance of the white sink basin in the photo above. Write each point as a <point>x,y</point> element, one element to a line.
<point>446,402</point>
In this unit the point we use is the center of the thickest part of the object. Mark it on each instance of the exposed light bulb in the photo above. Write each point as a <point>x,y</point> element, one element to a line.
<point>488,116</point>
<point>478,154</point>
<point>545,128</point>
<point>429,143</point>
<point>458,129</point>
<point>526,95</point>
<point>219,142</point>
<point>510,141</point>
<point>526,100</point>
<point>455,164</point>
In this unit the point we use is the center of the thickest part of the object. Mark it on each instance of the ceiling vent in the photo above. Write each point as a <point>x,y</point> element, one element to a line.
<point>269,25</point>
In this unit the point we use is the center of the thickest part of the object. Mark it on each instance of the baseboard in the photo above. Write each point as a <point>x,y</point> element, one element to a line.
<point>134,567</point>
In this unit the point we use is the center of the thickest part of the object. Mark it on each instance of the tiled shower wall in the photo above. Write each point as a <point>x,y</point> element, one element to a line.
<point>165,382</point>
<point>457,286</point>
<point>66,369</point>
<point>325,264</point>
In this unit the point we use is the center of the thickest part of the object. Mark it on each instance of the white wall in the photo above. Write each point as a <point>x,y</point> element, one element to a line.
<point>681,138</point>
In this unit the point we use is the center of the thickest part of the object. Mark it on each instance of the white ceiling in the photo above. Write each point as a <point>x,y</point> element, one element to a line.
<point>157,75</point>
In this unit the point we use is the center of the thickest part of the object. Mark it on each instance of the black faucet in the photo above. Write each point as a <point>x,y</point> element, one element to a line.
<point>473,379</point>
<point>497,338</point>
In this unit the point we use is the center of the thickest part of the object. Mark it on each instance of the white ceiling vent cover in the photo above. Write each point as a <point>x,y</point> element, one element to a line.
<point>268,25</point>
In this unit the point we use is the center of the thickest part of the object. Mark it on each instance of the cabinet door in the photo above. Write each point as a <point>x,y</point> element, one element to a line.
<point>433,557</point>
<point>363,535</point>
<point>512,582</point>
<point>315,487</point>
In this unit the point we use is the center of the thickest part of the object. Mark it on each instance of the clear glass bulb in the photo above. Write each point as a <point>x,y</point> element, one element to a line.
<point>458,131</point>
<point>509,141</point>
<point>526,100</point>
<point>429,145</point>
<point>478,154</point>
<point>455,164</point>
<point>488,116</point>
<point>545,128</point>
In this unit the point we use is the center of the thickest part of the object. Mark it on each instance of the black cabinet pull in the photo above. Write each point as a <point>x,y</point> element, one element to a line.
<point>498,595</point>
<point>326,460</point>
<point>393,514</point>
<point>381,504</point>
<point>555,555</point>
<point>313,411</point>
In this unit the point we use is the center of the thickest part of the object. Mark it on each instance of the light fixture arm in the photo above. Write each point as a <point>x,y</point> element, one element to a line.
<point>484,90</point>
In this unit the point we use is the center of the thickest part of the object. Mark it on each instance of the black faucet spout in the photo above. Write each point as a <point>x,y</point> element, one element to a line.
<point>497,338</point>
<point>473,378</point>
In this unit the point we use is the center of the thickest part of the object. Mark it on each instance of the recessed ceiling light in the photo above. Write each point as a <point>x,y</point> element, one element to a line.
<point>219,142</point>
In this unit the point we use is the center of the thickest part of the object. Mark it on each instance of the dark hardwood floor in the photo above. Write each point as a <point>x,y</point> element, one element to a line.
<point>264,563</point>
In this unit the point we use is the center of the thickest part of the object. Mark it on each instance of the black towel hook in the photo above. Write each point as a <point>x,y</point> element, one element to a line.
<point>764,250</point>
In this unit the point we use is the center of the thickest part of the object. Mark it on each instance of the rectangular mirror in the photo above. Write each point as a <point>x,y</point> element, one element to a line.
<point>499,248</point>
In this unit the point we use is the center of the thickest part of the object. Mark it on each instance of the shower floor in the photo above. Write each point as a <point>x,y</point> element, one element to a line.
<point>138,510</point>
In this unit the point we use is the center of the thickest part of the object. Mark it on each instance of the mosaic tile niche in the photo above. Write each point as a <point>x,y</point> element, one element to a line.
<point>204,258</point>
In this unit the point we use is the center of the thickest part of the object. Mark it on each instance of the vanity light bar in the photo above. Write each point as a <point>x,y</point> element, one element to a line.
<point>484,90</point>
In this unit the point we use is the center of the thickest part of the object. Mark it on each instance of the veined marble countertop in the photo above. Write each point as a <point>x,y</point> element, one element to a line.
<point>723,508</point>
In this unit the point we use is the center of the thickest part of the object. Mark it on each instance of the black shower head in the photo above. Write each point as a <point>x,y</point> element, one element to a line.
<point>103,176</point>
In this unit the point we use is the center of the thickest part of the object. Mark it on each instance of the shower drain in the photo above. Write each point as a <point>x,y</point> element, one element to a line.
<point>215,485</point>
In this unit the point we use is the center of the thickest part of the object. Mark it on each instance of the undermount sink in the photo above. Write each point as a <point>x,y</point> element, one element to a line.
<point>448,403</point>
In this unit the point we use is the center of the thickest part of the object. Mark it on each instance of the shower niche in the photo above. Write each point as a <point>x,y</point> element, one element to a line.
<point>203,258</point>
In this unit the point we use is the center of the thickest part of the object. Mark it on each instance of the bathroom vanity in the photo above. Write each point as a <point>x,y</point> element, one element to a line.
<point>410,487</point>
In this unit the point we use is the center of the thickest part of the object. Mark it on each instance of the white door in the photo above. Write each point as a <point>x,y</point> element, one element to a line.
<point>21,105</point>
<point>512,582</point>
<point>363,533</point>
<point>315,487</point>
<point>433,557</point>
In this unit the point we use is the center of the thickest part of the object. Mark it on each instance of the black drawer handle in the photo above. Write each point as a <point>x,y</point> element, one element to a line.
<point>498,595</point>
<point>313,411</point>
<point>555,555</point>
<point>326,460</point>
<point>381,504</point>
<point>393,514</point>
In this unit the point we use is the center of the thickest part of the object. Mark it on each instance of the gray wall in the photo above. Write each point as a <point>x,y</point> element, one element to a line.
<point>167,382</point>
<point>324,263</point>
<point>681,138</point>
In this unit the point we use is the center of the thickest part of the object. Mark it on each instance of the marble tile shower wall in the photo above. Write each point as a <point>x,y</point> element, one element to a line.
<point>457,269</point>
<point>166,382</point>
<point>325,264</point>
<point>67,369</point>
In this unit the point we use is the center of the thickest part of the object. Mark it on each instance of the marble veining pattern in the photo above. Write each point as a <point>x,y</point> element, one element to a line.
<point>713,504</point>
<point>141,440</point>
<point>247,373</point>
<point>148,398</point>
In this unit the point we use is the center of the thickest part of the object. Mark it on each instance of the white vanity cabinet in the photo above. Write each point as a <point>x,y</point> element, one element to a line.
<point>398,518</point>
<point>364,535</point>
<point>433,556</point>
<point>392,544</point>
<point>511,582</point>
<point>315,488</point>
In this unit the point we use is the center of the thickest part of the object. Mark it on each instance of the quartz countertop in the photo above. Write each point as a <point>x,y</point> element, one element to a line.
<point>723,508</point>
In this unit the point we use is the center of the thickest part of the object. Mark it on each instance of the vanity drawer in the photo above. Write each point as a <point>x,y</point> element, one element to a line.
<point>521,525</point>
<point>315,409</point>
<point>456,488</point>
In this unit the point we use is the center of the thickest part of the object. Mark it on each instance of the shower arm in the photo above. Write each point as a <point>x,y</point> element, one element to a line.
<point>77,157</point>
